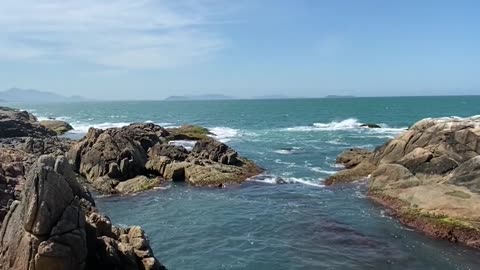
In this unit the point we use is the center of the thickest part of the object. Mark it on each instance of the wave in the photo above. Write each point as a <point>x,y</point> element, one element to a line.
<point>185,143</point>
<point>350,124</point>
<point>271,179</point>
<point>224,134</point>
<point>320,170</point>
<point>82,128</point>
<point>287,151</point>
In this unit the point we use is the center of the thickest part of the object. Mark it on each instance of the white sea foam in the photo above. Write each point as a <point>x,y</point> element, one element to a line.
<point>320,170</point>
<point>283,151</point>
<point>271,179</point>
<point>185,143</point>
<point>83,127</point>
<point>224,134</point>
<point>287,151</point>
<point>350,124</point>
<point>80,127</point>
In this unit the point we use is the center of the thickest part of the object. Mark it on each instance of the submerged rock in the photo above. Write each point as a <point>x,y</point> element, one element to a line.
<point>370,125</point>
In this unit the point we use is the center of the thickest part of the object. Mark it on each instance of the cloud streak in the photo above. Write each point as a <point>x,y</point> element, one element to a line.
<point>126,34</point>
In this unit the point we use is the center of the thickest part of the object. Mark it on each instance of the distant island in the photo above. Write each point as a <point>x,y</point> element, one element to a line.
<point>36,96</point>
<point>339,96</point>
<point>200,97</point>
<point>271,97</point>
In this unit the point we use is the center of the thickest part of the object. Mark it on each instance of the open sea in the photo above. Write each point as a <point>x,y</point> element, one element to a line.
<point>264,225</point>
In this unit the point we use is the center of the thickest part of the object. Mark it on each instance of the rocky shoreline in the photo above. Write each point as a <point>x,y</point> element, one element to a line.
<point>48,217</point>
<point>428,177</point>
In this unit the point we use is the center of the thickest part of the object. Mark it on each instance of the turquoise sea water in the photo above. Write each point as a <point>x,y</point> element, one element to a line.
<point>263,225</point>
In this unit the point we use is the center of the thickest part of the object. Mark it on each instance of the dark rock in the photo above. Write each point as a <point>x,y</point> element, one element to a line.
<point>14,128</point>
<point>123,147</point>
<point>173,152</point>
<point>215,151</point>
<point>369,125</point>
<point>352,157</point>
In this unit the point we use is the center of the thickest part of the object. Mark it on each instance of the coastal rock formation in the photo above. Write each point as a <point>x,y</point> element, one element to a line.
<point>429,176</point>
<point>59,127</point>
<point>15,123</point>
<point>56,226</point>
<point>109,157</point>
<point>188,132</point>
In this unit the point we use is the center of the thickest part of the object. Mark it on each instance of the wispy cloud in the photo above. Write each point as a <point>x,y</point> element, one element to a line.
<point>127,34</point>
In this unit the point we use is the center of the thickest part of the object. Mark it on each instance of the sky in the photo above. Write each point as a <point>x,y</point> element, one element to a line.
<point>152,49</point>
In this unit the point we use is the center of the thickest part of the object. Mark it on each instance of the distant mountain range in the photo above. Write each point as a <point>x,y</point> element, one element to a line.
<point>35,96</point>
<point>201,97</point>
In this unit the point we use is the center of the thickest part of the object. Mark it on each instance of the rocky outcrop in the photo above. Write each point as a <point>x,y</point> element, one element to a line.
<point>57,126</point>
<point>18,115</point>
<point>15,123</point>
<point>56,226</point>
<point>107,158</point>
<point>188,132</point>
<point>429,176</point>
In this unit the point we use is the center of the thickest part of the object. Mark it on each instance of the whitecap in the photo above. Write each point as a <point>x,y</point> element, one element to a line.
<point>272,179</point>
<point>286,151</point>
<point>351,125</point>
<point>83,127</point>
<point>223,134</point>
<point>187,144</point>
<point>320,170</point>
<point>283,152</point>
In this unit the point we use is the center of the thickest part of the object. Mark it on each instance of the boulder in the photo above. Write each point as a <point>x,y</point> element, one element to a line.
<point>10,128</point>
<point>137,184</point>
<point>353,156</point>
<point>14,114</point>
<point>215,151</point>
<point>57,126</point>
<point>468,175</point>
<point>388,176</point>
<point>120,152</point>
<point>415,158</point>
<point>359,172</point>
<point>46,230</point>
<point>171,151</point>
<point>16,123</point>
<point>55,226</point>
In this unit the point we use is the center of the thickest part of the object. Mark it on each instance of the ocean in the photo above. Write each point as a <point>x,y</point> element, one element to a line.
<point>264,225</point>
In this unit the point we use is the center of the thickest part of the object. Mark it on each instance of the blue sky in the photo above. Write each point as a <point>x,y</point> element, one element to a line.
<point>151,49</point>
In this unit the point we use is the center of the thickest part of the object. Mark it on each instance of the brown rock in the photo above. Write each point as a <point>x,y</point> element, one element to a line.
<point>57,126</point>
<point>359,172</point>
<point>352,157</point>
